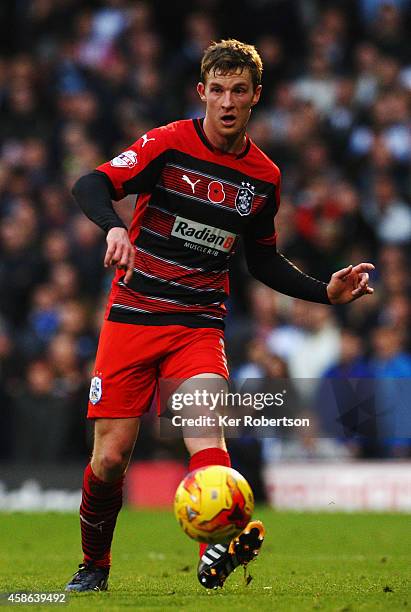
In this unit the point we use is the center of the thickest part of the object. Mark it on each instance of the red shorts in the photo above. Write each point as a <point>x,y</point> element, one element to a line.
<point>132,358</point>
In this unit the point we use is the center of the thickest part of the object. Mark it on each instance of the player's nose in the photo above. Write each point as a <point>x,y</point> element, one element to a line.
<point>227,100</point>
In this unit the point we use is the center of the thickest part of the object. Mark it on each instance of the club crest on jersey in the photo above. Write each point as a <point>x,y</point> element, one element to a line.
<point>128,159</point>
<point>96,390</point>
<point>244,199</point>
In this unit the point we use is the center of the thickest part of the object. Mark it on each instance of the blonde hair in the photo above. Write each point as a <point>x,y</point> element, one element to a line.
<point>228,56</point>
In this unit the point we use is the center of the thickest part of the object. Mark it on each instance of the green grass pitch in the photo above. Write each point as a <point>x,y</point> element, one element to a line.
<point>340,562</point>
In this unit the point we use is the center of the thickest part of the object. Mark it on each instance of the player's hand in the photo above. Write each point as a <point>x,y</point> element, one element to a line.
<point>349,284</point>
<point>120,252</point>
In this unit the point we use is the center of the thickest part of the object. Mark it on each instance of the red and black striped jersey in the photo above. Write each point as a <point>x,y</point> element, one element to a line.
<point>193,204</point>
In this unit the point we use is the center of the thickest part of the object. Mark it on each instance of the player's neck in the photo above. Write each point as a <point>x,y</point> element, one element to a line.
<point>228,144</point>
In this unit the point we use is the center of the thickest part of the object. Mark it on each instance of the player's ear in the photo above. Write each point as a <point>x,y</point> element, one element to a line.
<point>201,91</point>
<point>256,95</point>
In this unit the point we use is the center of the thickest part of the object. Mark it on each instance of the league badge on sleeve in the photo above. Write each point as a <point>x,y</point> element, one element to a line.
<point>96,390</point>
<point>244,199</point>
<point>128,159</point>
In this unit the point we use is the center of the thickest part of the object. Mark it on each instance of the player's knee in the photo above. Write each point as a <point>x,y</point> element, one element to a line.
<point>112,464</point>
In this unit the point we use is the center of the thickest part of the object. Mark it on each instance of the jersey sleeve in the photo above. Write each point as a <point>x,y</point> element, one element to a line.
<point>261,229</point>
<point>137,169</point>
<point>269,266</point>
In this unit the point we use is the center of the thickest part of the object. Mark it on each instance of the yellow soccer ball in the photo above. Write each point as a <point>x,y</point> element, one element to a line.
<point>213,504</point>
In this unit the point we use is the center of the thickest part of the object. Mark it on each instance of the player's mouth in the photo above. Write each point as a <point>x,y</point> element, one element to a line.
<point>228,120</point>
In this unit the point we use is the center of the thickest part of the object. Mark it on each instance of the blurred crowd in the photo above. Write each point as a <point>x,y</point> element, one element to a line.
<point>81,80</point>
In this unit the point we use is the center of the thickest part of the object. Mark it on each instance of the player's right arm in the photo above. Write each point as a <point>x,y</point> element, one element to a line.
<point>136,170</point>
<point>93,195</point>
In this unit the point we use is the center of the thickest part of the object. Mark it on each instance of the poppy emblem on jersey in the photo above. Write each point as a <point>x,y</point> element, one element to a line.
<point>128,159</point>
<point>244,199</point>
<point>216,193</point>
<point>96,390</point>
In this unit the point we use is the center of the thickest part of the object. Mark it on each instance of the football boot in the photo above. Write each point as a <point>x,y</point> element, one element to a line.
<point>89,578</point>
<point>219,560</point>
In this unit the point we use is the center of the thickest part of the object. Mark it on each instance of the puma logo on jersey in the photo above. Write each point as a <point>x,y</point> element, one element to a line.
<point>145,140</point>
<point>187,180</point>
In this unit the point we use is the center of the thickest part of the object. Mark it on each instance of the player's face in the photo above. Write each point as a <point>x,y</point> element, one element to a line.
<point>229,99</point>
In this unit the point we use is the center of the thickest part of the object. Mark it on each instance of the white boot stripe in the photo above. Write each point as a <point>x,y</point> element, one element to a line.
<point>220,547</point>
<point>206,560</point>
<point>213,553</point>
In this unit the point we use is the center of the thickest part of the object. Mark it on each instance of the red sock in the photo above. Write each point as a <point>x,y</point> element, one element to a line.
<point>208,456</point>
<point>100,504</point>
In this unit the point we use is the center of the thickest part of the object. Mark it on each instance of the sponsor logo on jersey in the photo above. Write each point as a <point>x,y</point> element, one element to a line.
<point>206,235</point>
<point>244,199</point>
<point>96,390</point>
<point>128,159</point>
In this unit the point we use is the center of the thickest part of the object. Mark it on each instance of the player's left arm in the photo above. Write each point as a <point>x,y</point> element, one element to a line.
<point>270,267</point>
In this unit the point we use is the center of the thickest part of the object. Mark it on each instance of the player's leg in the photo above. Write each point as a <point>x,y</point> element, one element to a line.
<point>102,497</point>
<point>218,561</point>
<point>208,437</point>
<point>199,354</point>
<point>121,391</point>
<point>204,452</point>
<point>210,447</point>
<point>206,444</point>
<point>198,362</point>
<point>114,441</point>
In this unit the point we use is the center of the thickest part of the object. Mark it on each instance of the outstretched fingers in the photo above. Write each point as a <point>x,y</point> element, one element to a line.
<point>362,287</point>
<point>363,279</point>
<point>350,283</point>
<point>362,291</point>
<point>341,274</point>
<point>363,267</point>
